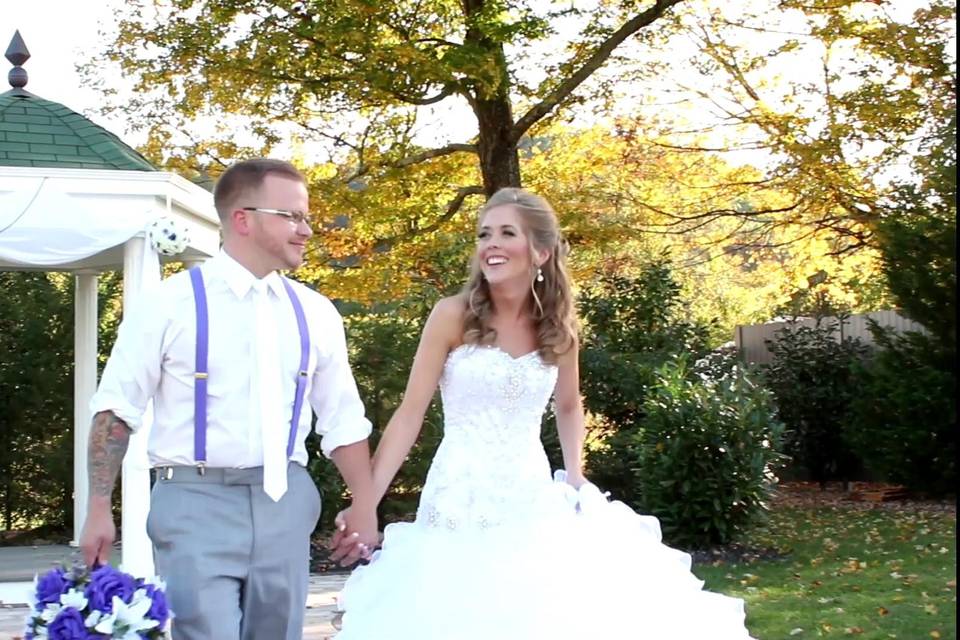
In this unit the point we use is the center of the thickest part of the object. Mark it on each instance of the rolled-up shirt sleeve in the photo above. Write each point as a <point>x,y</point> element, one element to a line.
<point>132,374</point>
<point>341,418</point>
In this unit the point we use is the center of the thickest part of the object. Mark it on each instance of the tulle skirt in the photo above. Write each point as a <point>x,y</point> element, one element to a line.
<point>581,568</point>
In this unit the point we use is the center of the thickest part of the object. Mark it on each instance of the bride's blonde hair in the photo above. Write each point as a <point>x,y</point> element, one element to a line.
<point>550,300</point>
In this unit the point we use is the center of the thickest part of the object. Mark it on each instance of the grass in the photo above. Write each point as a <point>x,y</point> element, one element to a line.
<point>850,570</point>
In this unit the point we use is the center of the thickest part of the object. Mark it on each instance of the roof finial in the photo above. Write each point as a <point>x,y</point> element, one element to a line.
<point>17,54</point>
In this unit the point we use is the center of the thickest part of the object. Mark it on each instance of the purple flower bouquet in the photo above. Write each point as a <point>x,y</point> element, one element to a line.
<point>82,604</point>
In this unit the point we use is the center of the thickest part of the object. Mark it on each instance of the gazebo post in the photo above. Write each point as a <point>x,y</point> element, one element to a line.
<point>73,197</point>
<point>137,551</point>
<point>84,386</point>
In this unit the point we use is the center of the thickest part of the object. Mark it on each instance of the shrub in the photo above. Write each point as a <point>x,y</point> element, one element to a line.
<point>631,326</point>
<point>812,378</point>
<point>904,415</point>
<point>706,454</point>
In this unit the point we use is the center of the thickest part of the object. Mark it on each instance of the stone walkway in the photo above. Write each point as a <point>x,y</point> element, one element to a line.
<point>321,609</point>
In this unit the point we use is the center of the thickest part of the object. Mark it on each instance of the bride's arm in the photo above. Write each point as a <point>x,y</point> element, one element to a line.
<point>570,422</point>
<point>441,332</point>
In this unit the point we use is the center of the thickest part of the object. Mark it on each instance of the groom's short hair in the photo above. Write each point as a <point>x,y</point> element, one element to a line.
<point>245,176</point>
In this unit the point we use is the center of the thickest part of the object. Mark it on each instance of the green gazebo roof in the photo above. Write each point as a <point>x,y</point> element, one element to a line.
<point>39,133</point>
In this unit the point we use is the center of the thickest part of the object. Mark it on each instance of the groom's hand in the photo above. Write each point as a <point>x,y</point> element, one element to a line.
<point>356,535</point>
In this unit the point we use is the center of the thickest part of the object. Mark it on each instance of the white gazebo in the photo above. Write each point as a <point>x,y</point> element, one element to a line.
<point>74,198</point>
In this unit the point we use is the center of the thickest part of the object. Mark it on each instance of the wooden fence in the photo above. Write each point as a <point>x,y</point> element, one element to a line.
<point>751,345</point>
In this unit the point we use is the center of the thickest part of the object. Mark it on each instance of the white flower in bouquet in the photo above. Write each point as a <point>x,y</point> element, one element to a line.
<point>126,621</point>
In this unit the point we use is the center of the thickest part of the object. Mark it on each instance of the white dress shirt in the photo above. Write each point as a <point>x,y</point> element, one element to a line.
<point>154,357</point>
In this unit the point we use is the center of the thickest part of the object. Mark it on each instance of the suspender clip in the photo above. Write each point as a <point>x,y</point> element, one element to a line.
<point>202,468</point>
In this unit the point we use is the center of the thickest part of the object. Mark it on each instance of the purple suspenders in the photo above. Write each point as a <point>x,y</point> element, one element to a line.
<point>200,377</point>
<point>302,370</point>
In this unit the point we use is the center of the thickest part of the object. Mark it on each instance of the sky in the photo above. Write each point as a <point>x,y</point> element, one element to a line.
<point>58,34</point>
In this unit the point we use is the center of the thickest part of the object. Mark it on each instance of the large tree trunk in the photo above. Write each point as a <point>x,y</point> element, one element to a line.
<point>499,162</point>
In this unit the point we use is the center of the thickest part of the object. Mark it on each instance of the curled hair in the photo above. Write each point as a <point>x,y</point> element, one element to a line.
<point>551,301</point>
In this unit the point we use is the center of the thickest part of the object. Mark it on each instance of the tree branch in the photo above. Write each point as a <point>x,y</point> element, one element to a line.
<point>447,91</point>
<point>754,146</point>
<point>455,147</point>
<point>423,156</point>
<point>591,64</point>
<point>452,208</point>
<point>692,222</point>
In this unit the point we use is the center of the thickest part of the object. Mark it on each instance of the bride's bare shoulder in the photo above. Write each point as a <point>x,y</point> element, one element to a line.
<point>447,317</point>
<point>451,308</point>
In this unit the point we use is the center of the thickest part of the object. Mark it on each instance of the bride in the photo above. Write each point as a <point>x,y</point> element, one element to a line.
<point>499,549</point>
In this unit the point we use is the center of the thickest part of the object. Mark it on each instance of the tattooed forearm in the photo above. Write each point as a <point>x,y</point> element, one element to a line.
<point>109,437</point>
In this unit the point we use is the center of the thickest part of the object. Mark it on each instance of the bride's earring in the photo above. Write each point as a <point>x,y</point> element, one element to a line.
<point>539,274</point>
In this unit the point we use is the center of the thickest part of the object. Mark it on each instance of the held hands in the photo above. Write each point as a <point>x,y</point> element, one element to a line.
<point>356,535</point>
<point>575,479</point>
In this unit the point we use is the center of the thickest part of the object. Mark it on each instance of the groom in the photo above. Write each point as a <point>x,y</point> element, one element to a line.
<point>228,352</point>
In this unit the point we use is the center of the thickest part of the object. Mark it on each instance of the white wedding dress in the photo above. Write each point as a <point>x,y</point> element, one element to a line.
<point>502,551</point>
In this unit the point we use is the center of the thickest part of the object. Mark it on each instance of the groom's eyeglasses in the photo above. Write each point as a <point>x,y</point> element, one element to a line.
<point>296,217</point>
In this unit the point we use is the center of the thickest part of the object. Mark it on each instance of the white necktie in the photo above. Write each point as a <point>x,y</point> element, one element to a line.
<point>267,373</point>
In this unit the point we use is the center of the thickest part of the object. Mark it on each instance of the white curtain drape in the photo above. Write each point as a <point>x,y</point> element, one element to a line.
<point>43,226</point>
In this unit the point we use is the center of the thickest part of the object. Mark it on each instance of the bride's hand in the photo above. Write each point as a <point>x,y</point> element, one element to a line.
<point>356,535</point>
<point>576,480</point>
<point>340,529</point>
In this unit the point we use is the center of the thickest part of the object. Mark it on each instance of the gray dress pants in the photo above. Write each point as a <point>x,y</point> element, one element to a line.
<point>236,563</point>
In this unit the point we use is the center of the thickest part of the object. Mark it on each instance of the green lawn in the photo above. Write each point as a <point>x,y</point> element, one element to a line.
<point>851,570</point>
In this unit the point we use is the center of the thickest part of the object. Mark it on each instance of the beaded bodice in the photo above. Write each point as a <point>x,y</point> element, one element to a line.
<point>490,465</point>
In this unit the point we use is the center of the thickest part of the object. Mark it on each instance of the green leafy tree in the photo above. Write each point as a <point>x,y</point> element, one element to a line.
<point>917,234</point>
<point>355,79</point>
<point>311,62</point>
<point>36,396</point>
<point>837,95</point>
<point>905,415</point>
<point>632,325</point>
<point>36,400</point>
